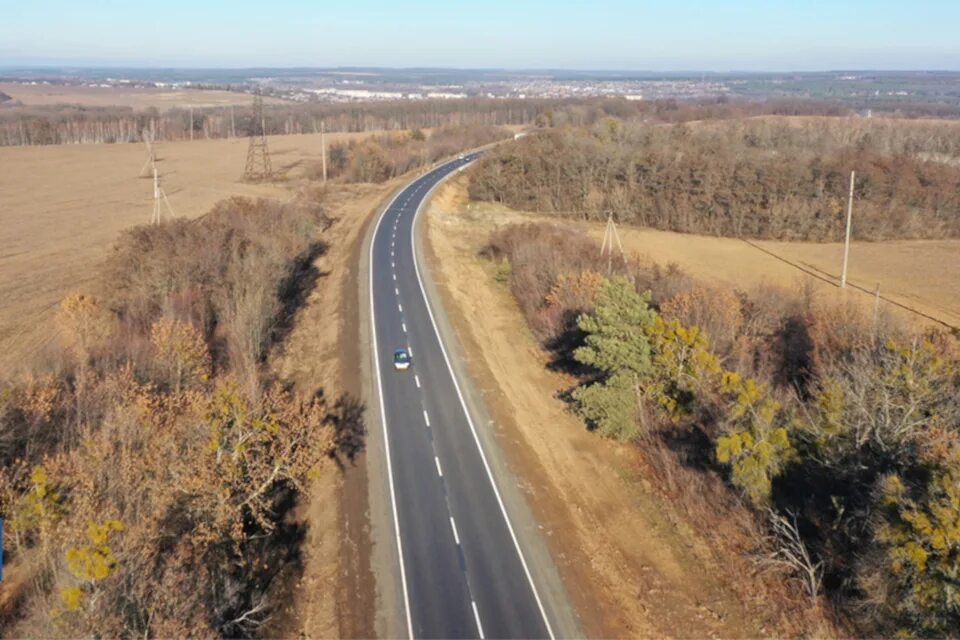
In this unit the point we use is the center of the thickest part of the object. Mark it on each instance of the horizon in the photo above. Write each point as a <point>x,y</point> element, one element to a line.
<point>364,68</point>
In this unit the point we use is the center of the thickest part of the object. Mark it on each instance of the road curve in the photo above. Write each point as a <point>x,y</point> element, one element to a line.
<point>463,572</point>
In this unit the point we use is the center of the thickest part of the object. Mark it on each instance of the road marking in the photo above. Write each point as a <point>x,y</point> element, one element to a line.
<point>473,429</point>
<point>404,325</point>
<point>439,470</point>
<point>393,264</point>
<point>426,418</point>
<point>416,379</point>
<point>476,616</point>
<point>400,307</point>
<point>396,291</point>
<point>386,437</point>
<point>456,536</point>
<point>394,277</point>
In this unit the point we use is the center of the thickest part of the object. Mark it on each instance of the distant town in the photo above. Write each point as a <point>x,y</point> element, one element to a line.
<point>366,85</point>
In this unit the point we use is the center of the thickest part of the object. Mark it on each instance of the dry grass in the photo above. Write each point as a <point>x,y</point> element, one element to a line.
<point>64,205</point>
<point>162,99</point>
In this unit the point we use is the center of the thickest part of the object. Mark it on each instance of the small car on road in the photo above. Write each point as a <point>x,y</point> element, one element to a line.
<point>402,360</point>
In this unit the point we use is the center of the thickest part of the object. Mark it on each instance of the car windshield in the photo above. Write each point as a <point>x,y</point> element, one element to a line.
<point>401,356</point>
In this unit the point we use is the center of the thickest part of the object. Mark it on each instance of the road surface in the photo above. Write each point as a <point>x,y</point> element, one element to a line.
<point>463,570</point>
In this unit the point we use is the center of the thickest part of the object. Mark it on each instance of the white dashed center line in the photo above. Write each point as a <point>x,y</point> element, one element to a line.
<point>396,291</point>
<point>476,616</point>
<point>426,418</point>
<point>439,470</point>
<point>400,307</point>
<point>456,536</point>
<point>404,325</point>
<point>416,379</point>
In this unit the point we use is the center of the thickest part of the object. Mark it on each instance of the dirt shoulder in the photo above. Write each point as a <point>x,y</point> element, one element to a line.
<point>335,596</point>
<point>633,562</point>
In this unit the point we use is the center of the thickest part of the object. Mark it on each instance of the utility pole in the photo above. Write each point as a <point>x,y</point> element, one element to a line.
<point>258,166</point>
<point>846,242</point>
<point>323,151</point>
<point>151,156</point>
<point>159,195</point>
<point>609,235</point>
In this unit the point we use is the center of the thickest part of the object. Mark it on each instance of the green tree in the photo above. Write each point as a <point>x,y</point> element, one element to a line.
<point>617,344</point>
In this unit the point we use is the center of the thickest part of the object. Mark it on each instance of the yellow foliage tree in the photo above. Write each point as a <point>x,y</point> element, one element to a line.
<point>181,353</point>
<point>920,535</point>
<point>756,445</point>
<point>84,322</point>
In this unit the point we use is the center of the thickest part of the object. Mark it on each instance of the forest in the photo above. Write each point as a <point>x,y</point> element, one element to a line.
<point>759,177</point>
<point>148,471</point>
<point>832,432</point>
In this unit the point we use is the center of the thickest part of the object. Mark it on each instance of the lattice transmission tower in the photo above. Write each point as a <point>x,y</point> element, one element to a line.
<point>258,166</point>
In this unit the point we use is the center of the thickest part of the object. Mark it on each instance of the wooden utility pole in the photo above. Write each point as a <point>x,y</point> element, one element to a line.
<point>846,242</point>
<point>323,150</point>
<point>609,235</point>
<point>159,195</point>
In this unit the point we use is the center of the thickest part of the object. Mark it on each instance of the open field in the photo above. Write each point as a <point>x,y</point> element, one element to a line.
<point>62,207</point>
<point>162,99</point>
<point>923,275</point>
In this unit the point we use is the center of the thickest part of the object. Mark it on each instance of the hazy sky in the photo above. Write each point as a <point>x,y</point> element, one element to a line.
<point>613,34</point>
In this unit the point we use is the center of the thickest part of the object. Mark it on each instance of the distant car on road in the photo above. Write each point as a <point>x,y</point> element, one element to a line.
<point>402,360</point>
<point>461,156</point>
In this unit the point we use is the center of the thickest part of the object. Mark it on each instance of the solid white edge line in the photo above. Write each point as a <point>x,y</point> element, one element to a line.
<point>456,536</point>
<point>383,421</point>
<point>439,470</point>
<point>476,616</point>
<point>463,403</point>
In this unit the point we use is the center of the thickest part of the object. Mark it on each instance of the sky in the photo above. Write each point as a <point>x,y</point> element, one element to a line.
<point>666,35</point>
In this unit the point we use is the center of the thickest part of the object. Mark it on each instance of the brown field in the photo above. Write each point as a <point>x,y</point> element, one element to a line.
<point>162,99</point>
<point>61,208</point>
<point>923,275</point>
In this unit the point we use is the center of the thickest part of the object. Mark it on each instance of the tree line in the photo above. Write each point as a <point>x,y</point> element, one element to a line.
<point>766,177</point>
<point>841,430</point>
<point>383,157</point>
<point>72,124</point>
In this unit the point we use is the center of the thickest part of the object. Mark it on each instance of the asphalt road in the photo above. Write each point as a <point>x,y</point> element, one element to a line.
<point>463,571</point>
